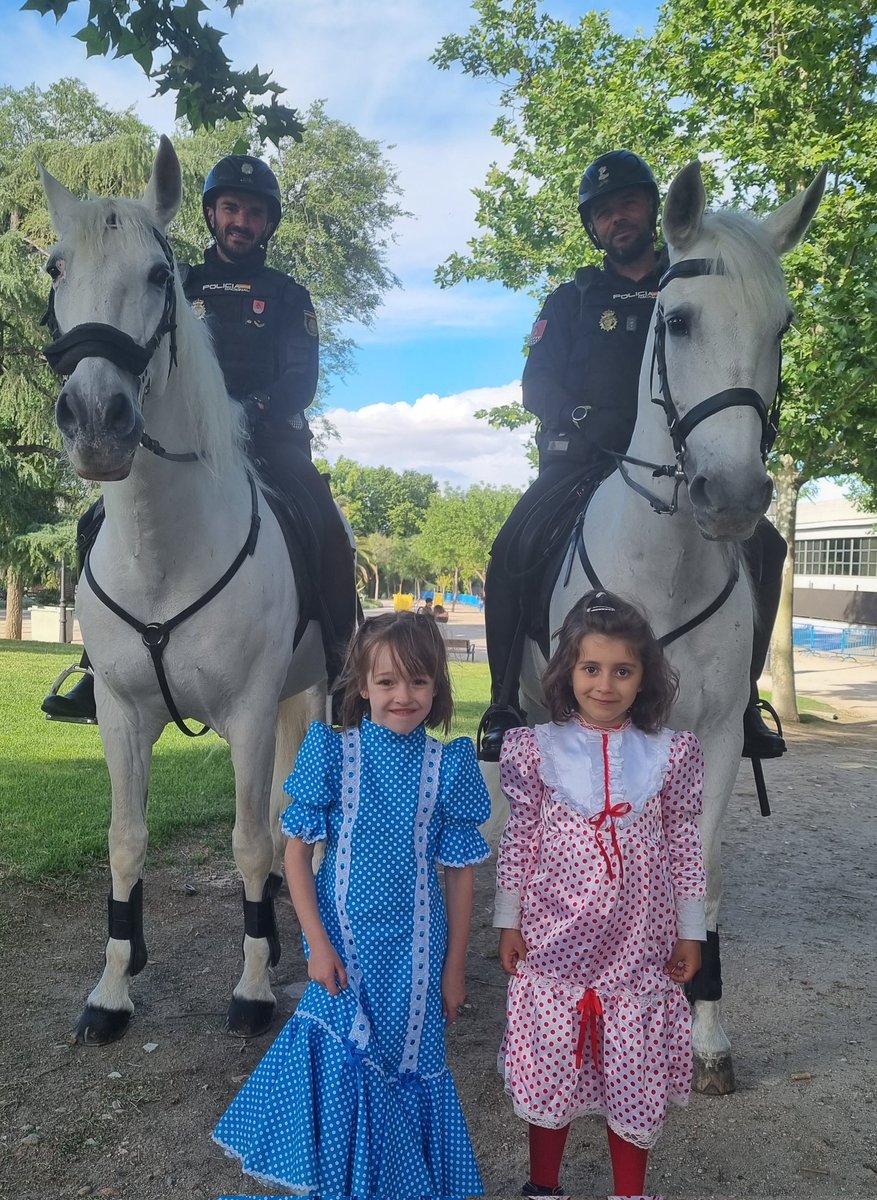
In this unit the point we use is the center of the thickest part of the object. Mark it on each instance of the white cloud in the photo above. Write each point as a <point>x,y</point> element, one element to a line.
<point>438,435</point>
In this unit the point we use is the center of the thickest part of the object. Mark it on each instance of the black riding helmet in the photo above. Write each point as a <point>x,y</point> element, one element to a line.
<point>610,173</point>
<point>242,173</point>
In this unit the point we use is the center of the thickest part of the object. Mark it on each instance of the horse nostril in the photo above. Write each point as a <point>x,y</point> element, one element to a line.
<point>698,491</point>
<point>69,413</point>
<point>118,414</point>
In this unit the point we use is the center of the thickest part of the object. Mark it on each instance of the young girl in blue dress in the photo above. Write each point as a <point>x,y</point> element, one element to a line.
<point>355,1097</point>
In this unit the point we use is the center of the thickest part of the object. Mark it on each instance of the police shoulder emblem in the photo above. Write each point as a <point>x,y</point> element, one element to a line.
<point>608,321</point>
<point>311,323</point>
<point>199,308</point>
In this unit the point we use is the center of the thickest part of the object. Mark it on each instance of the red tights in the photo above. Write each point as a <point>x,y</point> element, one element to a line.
<point>629,1165</point>
<point>629,1162</point>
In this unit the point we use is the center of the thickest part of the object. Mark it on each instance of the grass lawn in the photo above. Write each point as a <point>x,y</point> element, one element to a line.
<point>54,787</point>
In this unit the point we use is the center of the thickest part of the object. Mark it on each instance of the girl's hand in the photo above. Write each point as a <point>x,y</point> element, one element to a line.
<point>453,994</point>
<point>325,967</point>
<point>512,950</point>
<point>684,962</point>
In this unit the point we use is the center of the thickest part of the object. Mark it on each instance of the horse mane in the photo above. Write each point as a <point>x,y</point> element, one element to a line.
<point>752,267</point>
<point>218,423</point>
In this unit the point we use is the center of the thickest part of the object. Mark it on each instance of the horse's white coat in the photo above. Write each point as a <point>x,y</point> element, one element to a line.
<point>669,565</point>
<point>172,530</point>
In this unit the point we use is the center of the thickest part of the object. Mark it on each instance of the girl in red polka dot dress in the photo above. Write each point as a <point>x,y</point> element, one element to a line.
<point>600,896</point>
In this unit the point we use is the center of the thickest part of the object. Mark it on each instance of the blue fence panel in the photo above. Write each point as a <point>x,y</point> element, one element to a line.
<point>860,642</point>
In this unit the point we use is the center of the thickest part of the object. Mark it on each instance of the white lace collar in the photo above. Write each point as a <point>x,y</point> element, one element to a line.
<point>572,765</point>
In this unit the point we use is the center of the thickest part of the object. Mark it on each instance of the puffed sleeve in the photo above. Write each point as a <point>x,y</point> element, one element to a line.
<point>519,764</point>
<point>681,804</point>
<point>313,784</point>
<point>465,805</point>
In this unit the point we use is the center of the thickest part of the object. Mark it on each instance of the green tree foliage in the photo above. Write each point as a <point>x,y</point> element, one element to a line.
<point>379,499</point>
<point>191,62</point>
<point>460,527</point>
<point>764,93</point>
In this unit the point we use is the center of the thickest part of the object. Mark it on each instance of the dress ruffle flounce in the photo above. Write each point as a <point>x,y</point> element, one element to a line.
<point>406,1136</point>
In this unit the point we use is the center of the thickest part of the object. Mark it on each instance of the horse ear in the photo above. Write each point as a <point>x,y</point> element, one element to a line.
<point>165,188</point>
<point>683,208</point>
<point>788,224</point>
<point>59,199</point>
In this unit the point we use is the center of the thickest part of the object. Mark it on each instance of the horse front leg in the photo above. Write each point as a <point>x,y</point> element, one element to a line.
<point>713,1065</point>
<point>252,752</point>
<point>109,1008</point>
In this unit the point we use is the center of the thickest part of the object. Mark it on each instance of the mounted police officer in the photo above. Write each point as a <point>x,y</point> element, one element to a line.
<point>581,379</point>
<point>266,338</point>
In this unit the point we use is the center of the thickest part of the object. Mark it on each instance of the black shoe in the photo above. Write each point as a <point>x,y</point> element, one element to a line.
<point>495,724</point>
<point>533,1189</point>
<point>77,706</point>
<point>759,741</point>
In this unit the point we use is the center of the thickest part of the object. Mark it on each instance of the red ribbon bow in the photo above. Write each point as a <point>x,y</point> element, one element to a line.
<point>590,1008</point>
<point>610,812</point>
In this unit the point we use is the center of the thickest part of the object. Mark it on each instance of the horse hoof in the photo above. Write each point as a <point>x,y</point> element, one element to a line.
<point>99,1026</point>
<point>714,1076</point>
<point>249,1018</point>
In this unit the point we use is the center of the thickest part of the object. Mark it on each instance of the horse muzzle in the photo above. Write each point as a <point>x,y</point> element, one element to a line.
<point>101,428</point>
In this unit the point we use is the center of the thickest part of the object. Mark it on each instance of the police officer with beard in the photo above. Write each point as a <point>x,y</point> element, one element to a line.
<point>581,380</point>
<point>266,338</point>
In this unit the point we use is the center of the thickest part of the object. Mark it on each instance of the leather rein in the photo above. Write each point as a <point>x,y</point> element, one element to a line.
<point>96,340</point>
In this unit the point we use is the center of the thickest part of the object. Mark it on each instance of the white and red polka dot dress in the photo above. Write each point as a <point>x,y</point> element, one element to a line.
<point>601,868</point>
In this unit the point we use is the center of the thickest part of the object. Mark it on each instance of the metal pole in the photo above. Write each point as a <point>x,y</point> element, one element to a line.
<point>62,606</point>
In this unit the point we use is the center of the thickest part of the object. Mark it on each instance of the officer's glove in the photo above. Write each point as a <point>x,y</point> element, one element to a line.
<point>257,404</point>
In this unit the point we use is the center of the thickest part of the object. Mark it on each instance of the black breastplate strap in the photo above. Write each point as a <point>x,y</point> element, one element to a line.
<point>157,634</point>
<point>680,630</point>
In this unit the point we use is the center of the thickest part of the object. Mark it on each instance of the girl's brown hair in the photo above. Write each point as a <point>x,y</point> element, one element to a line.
<point>418,649</point>
<point>607,614</point>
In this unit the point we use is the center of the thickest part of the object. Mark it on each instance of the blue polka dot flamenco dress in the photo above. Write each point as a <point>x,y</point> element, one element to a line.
<point>355,1097</point>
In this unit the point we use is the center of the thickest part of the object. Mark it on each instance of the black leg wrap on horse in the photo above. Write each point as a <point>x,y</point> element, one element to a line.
<point>707,983</point>
<point>260,921</point>
<point>126,925</point>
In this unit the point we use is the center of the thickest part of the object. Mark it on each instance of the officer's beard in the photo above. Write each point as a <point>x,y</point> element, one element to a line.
<point>632,250</point>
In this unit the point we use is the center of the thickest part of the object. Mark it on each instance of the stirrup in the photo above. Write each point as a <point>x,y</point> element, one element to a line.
<point>54,691</point>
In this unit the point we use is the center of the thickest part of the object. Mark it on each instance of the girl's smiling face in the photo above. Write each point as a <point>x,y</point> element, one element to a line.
<point>396,701</point>
<point>606,677</point>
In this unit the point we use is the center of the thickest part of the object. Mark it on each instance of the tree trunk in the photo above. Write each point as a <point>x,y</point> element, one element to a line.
<point>456,589</point>
<point>377,583</point>
<point>14,597</point>
<point>788,482</point>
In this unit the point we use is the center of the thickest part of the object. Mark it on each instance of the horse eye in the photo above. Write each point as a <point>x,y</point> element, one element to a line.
<point>159,275</point>
<point>55,269</point>
<point>677,326</point>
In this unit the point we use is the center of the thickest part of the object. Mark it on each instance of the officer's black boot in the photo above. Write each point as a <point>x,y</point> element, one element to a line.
<point>760,741</point>
<point>494,725</point>
<point>78,704</point>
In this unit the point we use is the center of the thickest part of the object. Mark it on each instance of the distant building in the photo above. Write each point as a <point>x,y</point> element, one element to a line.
<point>835,563</point>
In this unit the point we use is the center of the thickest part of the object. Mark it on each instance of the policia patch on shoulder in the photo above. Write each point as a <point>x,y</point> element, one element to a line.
<point>311,324</point>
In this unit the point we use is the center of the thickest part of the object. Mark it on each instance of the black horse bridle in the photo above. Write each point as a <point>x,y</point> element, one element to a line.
<point>680,427</point>
<point>96,340</point>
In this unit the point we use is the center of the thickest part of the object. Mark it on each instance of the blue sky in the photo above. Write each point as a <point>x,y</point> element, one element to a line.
<point>432,357</point>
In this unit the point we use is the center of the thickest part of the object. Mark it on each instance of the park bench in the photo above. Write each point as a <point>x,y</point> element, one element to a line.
<point>460,647</point>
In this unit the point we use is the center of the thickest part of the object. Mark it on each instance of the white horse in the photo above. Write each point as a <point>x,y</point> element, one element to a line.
<point>722,312</point>
<point>182,515</point>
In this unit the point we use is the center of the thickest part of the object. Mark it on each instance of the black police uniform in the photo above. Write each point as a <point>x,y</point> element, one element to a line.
<point>265,334</point>
<point>581,380</point>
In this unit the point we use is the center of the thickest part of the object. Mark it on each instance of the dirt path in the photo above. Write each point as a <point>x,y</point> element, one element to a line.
<point>131,1121</point>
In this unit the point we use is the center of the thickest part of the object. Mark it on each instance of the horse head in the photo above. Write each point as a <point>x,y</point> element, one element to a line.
<point>112,314</point>
<point>721,317</point>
